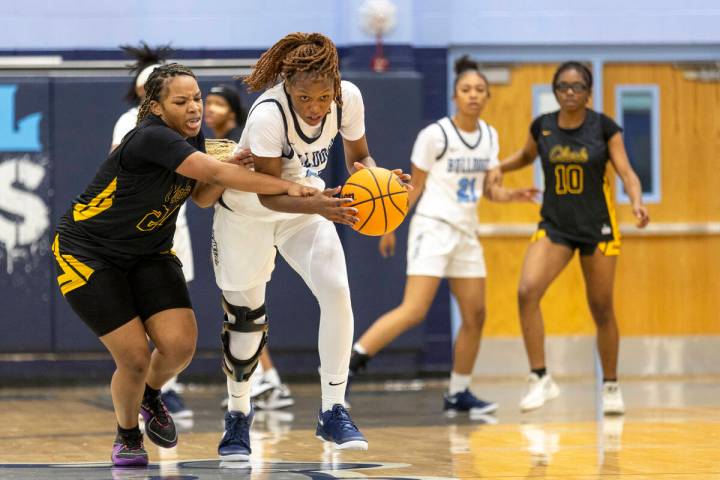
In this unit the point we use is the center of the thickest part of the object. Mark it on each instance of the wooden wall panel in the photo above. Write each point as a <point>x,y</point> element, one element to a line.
<point>689,141</point>
<point>664,285</point>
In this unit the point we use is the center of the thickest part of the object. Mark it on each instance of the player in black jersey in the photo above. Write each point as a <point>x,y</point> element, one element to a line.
<point>575,144</point>
<point>113,251</point>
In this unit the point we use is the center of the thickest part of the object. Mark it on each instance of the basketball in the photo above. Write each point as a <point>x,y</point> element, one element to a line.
<point>380,198</point>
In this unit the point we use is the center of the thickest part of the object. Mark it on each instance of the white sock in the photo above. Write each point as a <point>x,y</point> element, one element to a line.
<point>458,383</point>
<point>333,389</point>
<point>272,377</point>
<point>238,396</point>
<point>359,348</point>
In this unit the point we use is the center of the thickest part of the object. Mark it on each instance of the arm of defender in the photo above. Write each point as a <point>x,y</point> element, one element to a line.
<point>207,169</point>
<point>321,203</point>
<point>631,182</point>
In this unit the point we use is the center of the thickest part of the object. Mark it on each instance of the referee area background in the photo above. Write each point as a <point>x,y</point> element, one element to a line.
<point>656,65</point>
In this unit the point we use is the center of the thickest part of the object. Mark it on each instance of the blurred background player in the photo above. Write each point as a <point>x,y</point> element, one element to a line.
<point>577,213</point>
<point>146,60</point>
<point>454,162</point>
<point>224,113</point>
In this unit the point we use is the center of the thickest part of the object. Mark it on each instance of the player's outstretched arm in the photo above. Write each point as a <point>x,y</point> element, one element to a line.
<point>493,189</point>
<point>205,195</point>
<point>208,170</point>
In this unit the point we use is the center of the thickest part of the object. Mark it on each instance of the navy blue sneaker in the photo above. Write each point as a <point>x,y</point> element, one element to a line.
<point>175,405</point>
<point>465,401</point>
<point>337,427</point>
<point>235,442</point>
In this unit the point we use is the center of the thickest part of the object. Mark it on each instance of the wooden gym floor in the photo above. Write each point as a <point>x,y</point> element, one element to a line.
<point>671,431</point>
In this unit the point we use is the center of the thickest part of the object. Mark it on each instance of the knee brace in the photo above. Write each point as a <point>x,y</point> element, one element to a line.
<point>236,369</point>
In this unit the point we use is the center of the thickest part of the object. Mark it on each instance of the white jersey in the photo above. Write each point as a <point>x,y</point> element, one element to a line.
<point>274,130</point>
<point>124,124</point>
<point>456,163</point>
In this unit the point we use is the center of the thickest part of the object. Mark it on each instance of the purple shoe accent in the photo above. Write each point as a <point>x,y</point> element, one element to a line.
<point>129,452</point>
<point>159,425</point>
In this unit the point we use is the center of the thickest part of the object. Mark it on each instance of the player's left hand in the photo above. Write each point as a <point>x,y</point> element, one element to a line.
<point>529,194</point>
<point>641,214</point>
<point>244,158</point>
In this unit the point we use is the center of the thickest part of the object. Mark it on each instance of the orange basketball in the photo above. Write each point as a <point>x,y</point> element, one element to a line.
<point>381,200</point>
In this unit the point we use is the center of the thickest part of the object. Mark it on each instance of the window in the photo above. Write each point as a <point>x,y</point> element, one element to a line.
<point>637,110</point>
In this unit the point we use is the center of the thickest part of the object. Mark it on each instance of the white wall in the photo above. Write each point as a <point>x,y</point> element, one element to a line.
<point>254,24</point>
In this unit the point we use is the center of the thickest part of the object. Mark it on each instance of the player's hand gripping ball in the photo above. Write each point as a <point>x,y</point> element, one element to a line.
<point>380,198</point>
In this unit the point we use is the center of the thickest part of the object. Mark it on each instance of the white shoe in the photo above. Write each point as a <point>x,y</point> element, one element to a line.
<point>540,390</point>
<point>258,386</point>
<point>277,397</point>
<point>612,399</point>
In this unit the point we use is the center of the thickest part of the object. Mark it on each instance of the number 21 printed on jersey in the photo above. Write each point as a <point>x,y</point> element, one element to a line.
<point>466,190</point>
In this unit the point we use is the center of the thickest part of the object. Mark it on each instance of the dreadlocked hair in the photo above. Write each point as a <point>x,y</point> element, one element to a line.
<point>156,85</point>
<point>311,53</point>
<point>143,56</point>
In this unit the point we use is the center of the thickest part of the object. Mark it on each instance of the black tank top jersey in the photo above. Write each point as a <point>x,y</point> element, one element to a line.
<point>130,208</point>
<point>576,201</point>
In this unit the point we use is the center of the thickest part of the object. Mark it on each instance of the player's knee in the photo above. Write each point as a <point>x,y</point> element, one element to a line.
<point>243,338</point>
<point>602,311</point>
<point>528,293</point>
<point>184,350</point>
<point>475,320</point>
<point>413,314</point>
<point>135,362</point>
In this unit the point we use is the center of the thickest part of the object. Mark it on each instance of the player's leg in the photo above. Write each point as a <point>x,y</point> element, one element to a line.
<point>243,338</point>
<point>430,246</point>
<point>470,295</point>
<point>313,249</point>
<point>103,300</point>
<point>243,256</point>
<point>417,299</point>
<point>163,301</point>
<point>129,348</point>
<point>599,273</point>
<point>544,261</point>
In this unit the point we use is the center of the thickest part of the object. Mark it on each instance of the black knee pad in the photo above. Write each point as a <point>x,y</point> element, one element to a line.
<point>236,369</point>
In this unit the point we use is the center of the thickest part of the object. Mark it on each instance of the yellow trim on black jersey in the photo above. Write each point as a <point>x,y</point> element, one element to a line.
<point>97,205</point>
<point>75,273</point>
<point>612,247</point>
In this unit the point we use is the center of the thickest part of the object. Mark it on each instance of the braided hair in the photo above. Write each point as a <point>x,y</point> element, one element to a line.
<point>144,56</point>
<point>311,53</point>
<point>155,86</point>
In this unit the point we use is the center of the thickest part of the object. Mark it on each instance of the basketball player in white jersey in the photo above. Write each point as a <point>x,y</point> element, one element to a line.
<point>146,60</point>
<point>454,162</point>
<point>290,130</point>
